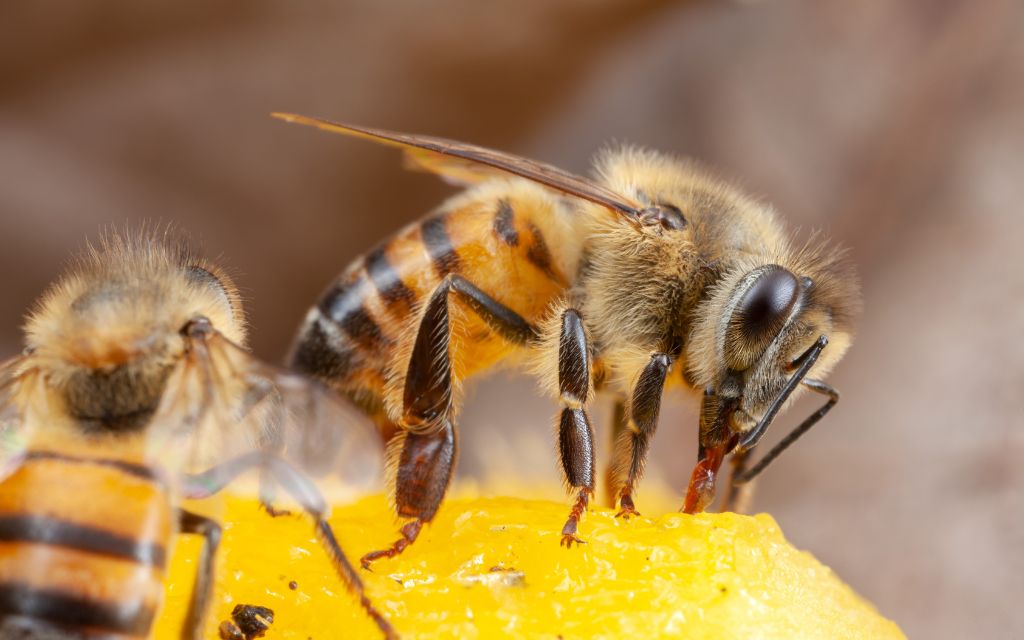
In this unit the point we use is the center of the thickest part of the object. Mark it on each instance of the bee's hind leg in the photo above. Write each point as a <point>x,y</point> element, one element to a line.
<point>427,445</point>
<point>425,465</point>
<point>426,448</point>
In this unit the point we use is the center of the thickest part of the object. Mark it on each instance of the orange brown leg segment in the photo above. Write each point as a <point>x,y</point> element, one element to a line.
<point>701,491</point>
<point>716,441</point>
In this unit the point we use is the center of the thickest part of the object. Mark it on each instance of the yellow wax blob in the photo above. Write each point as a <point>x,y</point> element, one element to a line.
<point>493,567</point>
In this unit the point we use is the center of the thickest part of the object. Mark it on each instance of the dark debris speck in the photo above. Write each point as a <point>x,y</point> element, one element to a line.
<point>253,620</point>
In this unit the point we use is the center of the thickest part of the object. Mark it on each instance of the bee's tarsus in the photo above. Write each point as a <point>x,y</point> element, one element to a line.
<point>410,531</point>
<point>626,507</point>
<point>210,530</point>
<point>578,508</point>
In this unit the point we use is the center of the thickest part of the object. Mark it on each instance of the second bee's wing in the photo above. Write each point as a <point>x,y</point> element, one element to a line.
<point>468,163</point>
<point>18,382</point>
<point>222,401</point>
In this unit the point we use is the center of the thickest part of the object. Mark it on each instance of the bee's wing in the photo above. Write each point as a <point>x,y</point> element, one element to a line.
<point>221,401</point>
<point>468,163</point>
<point>17,384</point>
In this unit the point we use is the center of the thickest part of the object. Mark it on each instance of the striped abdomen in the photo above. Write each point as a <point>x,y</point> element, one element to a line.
<point>510,245</point>
<point>83,545</point>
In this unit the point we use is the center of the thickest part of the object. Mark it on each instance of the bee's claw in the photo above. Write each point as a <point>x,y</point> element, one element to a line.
<point>367,560</point>
<point>274,512</point>
<point>627,512</point>
<point>569,538</point>
<point>626,506</point>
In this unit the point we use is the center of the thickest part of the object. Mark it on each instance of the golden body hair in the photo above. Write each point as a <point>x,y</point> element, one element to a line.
<point>652,275</point>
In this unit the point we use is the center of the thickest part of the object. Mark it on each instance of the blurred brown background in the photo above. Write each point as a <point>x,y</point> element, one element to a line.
<point>897,128</point>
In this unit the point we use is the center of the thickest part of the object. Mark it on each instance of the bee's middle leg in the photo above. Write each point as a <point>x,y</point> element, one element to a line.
<point>641,420</point>
<point>575,435</point>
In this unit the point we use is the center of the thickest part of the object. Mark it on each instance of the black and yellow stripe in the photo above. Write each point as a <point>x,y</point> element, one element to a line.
<point>350,337</point>
<point>388,282</point>
<point>504,224</point>
<point>438,244</point>
<point>83,546</point>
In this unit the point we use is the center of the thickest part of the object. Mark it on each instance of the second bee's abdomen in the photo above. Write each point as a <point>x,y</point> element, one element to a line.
<point>351,337</point>
<point>82,548</point>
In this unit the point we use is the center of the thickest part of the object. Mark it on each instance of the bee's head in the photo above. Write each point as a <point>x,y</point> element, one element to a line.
<point>758,325</point>
<point>108,332</point>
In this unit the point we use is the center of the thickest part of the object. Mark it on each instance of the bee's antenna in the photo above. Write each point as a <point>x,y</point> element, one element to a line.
<point>792,436</point>
<point>805,362</point>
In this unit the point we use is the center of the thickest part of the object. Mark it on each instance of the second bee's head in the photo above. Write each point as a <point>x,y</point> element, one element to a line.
<point>108,333</point>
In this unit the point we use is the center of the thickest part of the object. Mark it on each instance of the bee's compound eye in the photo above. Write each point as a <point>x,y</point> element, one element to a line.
<point>767,303</point>
<point>206,278</point>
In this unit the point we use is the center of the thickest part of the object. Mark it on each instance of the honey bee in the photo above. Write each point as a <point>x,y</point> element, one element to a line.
<point>133,376</point>
<point>651,275</point>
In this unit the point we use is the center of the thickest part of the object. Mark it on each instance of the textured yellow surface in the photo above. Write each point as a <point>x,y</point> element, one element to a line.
<point>493,568</point>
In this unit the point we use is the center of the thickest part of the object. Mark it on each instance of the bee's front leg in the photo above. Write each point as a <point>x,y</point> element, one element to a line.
<point>575,435</point>
<point>641,421</point>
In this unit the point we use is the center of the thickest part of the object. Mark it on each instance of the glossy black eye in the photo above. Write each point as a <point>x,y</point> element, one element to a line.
<point>767,303</point>
<point>200,276</point>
